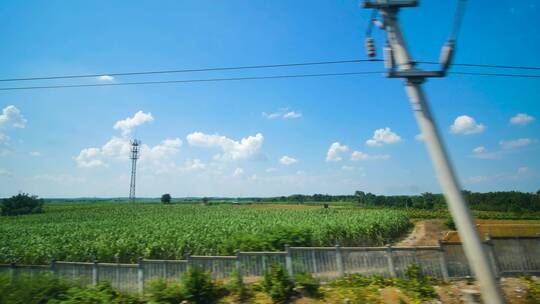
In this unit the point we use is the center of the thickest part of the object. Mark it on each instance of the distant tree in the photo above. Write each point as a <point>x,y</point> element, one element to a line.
<point>205,200</point>
<point>166,198</point>
<point>20,204</point>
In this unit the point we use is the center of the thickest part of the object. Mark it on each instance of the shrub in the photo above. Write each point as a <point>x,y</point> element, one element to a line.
<point>416,285</point>
<point>278,284</point>
<point>32,290</point>
<point>450,223</point>
<point>307,283</point>
<point>533,289</point>
<point>158,291</point>
<point>237,287</point>
<point>102,293</point>
<point>198,287</point>
<point>166,198</point>
<point>20,204</point>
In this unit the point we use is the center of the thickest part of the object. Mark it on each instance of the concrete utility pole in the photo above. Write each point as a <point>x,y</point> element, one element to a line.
<point>472,244</point>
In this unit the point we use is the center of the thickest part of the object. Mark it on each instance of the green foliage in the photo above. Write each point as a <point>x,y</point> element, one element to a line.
<point>533,290</point>
<point>102,293</point>
<point>166,198</point>
<point>80,232</point>
<point>198,286</point>
<point>20,204</point>
<point>278,284</point>
<point>504,201</point>
<point>450,223</point>
<point>25,289</point>
<point>160,292</point>
<point>416,285</point>
<point>306,282</point>
<point>237,286</point>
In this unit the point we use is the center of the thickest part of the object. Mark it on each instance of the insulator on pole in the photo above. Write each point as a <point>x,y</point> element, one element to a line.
<point>378,23</point>
<point>388,57</point>
<point>370,47</point>
<point>447,53</point>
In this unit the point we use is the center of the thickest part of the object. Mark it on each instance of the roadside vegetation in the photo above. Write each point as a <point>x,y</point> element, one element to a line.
<point>196,287</point>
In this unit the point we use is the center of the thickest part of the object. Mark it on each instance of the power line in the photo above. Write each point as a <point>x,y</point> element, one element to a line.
<point>188,81</point>
<point>495,74</point>
<point>245,78</point>
<point>513,67</point>
<point>253,67</point>
<point>194,70</point>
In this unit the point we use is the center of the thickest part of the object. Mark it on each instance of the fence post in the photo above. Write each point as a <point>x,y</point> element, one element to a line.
<point>442,262</point>
<point>95,272</point>
<point>140,275</point>
<point>12,272</point>
<point>117,270</point>
<point>339,261</point>
<point>53,266</point>
<point>314,261</point>
<point>288,261</point>
<point>188,261</point>
<point>492,256</point>
<point>238,265</point>
<point>390,259</point>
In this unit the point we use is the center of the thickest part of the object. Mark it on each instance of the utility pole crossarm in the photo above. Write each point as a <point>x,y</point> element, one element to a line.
<point>472,244</point>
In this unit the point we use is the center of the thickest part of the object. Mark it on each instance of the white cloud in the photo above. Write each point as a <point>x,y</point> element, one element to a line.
<point>482,153</point>
<point>118,148</point>
<point>335,151</point>
<point>358,155</point>
<point>521,119</point>
<point>11,117</point>
<point>419,137</point>
<point>270,170</point>
<point>35,153</point>
<point>466,125</point>
<point>194,165</point>
<point>516,143</point>
<point>478,179</point>
<point>291,115</point>
<point>89,158</point>
<point>232,150</point>
<point>6,173</point>
<point>238,172</point>
<point>479,150</point>
<point>283,114</point>
<point>523,170</point>
<point>383,136</point>
<point>347,168</point>
<point>287,160</point>
<point>127,125</point>
<point>300,172</point>
<point>105,78</point>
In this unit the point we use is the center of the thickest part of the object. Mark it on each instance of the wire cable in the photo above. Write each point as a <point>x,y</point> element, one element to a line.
<point>245,78</point>
<point>256,67</point>
<point>189,81</point>
<point>193,70</point>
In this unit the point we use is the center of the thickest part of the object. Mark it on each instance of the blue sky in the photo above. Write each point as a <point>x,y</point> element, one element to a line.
<point>260,137</point>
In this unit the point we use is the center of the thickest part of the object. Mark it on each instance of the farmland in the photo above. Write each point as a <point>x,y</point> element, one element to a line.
<point>104,231</point>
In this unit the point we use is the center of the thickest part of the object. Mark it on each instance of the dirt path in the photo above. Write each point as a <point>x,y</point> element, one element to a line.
<point>425,233</point>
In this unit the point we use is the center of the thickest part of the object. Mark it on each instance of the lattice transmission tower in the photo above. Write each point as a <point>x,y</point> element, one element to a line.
<point>134,156</point>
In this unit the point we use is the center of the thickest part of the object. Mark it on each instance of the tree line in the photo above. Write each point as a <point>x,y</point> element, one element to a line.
<point>513,201</point>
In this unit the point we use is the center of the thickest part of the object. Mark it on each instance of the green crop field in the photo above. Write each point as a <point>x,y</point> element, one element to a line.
<point>82,232</point>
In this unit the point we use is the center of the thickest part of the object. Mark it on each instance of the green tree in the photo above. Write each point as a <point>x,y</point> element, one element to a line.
<point>22,203</point>
<point>166,198</point>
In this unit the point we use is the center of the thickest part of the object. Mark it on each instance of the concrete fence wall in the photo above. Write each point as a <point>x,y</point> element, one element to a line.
<point>508,256</point>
